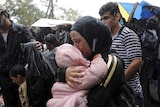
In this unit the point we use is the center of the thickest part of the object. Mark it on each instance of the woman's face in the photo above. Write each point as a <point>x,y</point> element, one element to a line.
<point>80,43</point>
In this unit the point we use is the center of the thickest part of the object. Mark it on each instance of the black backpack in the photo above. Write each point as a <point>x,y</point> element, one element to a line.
<point>149,43</point>
<point>113,91</point>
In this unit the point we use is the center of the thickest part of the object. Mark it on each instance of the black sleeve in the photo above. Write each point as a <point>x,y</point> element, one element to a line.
<point>27,34</point>
<point>61,75</point>
<point>24,32</point>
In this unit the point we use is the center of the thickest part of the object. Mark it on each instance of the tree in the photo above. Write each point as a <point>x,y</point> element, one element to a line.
<point>23,11</point>
<point>69,14</point>
<point>51,5</point>
<point>58,12</point>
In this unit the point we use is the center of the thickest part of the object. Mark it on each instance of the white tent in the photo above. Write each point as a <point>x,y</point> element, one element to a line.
<point>50,22</point>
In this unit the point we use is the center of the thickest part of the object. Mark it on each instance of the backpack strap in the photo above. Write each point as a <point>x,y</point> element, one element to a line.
<point>104,94</point>
<point>111,64</point>
<point>112,68</point>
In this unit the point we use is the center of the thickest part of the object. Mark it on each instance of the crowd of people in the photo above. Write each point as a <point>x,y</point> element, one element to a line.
<point>63,67</point>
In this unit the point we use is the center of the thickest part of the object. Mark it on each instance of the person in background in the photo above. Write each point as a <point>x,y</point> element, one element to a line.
<point>51,41</point>
<point>18,76</point>
<point>149,71</point>
<point>63,35</point>
<point>42,31</point>
<point>11,36</point>
<point>127,45</point>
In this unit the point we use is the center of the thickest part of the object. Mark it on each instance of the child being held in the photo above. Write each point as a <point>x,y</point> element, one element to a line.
<point>65,96</point>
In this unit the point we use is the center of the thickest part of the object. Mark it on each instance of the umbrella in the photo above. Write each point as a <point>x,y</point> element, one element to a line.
<point>143,11</point>
<point>126,9</point>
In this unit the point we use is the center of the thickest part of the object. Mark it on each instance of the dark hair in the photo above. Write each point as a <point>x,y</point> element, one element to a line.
<point>51,38</point>
<point>17,69</point>
<point>5,13</point>
<point>66,27</point>
<point>111,7</point>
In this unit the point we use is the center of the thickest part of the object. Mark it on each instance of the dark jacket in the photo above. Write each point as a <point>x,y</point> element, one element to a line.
<point>41,74</point>
<point>10,54</point>
<point>10,51</point>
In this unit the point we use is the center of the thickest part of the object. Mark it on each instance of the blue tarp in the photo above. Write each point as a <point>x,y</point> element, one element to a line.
<point>143,10</point>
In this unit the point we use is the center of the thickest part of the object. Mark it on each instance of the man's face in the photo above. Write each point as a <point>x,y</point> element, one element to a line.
<point>80,43</point>
<point>110,20</point>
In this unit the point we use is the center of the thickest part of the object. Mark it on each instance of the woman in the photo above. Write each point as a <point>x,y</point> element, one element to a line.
<point>91,37</point>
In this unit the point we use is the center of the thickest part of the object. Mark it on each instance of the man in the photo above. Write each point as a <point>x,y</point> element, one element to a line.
<point>127,45</point>
<point>11,35</point>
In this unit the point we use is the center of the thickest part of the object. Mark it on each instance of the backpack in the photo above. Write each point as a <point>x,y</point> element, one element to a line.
<point>149,43</point>
<point>113,91</point>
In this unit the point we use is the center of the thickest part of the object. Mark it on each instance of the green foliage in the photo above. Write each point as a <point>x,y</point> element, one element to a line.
<point>69,14</point>
<point>26,12</point>
<point>23,11</point>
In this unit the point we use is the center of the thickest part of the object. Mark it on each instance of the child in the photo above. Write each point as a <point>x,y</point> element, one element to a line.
<point>18,76</point>
<point>65,96</point>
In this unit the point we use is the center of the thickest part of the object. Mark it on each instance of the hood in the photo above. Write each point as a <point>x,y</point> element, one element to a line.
<point>95,32</point>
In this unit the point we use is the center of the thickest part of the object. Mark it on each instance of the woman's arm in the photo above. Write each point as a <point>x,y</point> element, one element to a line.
<point>93,74</point>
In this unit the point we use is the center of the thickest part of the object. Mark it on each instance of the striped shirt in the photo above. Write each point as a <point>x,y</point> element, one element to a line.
<point>128,47</point>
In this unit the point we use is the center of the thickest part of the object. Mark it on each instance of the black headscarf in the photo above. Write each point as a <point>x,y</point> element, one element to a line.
<point>96,33</point>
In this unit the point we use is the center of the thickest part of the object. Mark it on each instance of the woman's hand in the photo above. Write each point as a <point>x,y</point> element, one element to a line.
<point>72,75</point>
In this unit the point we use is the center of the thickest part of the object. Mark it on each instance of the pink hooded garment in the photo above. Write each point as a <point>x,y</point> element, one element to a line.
<point>65,96</point>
